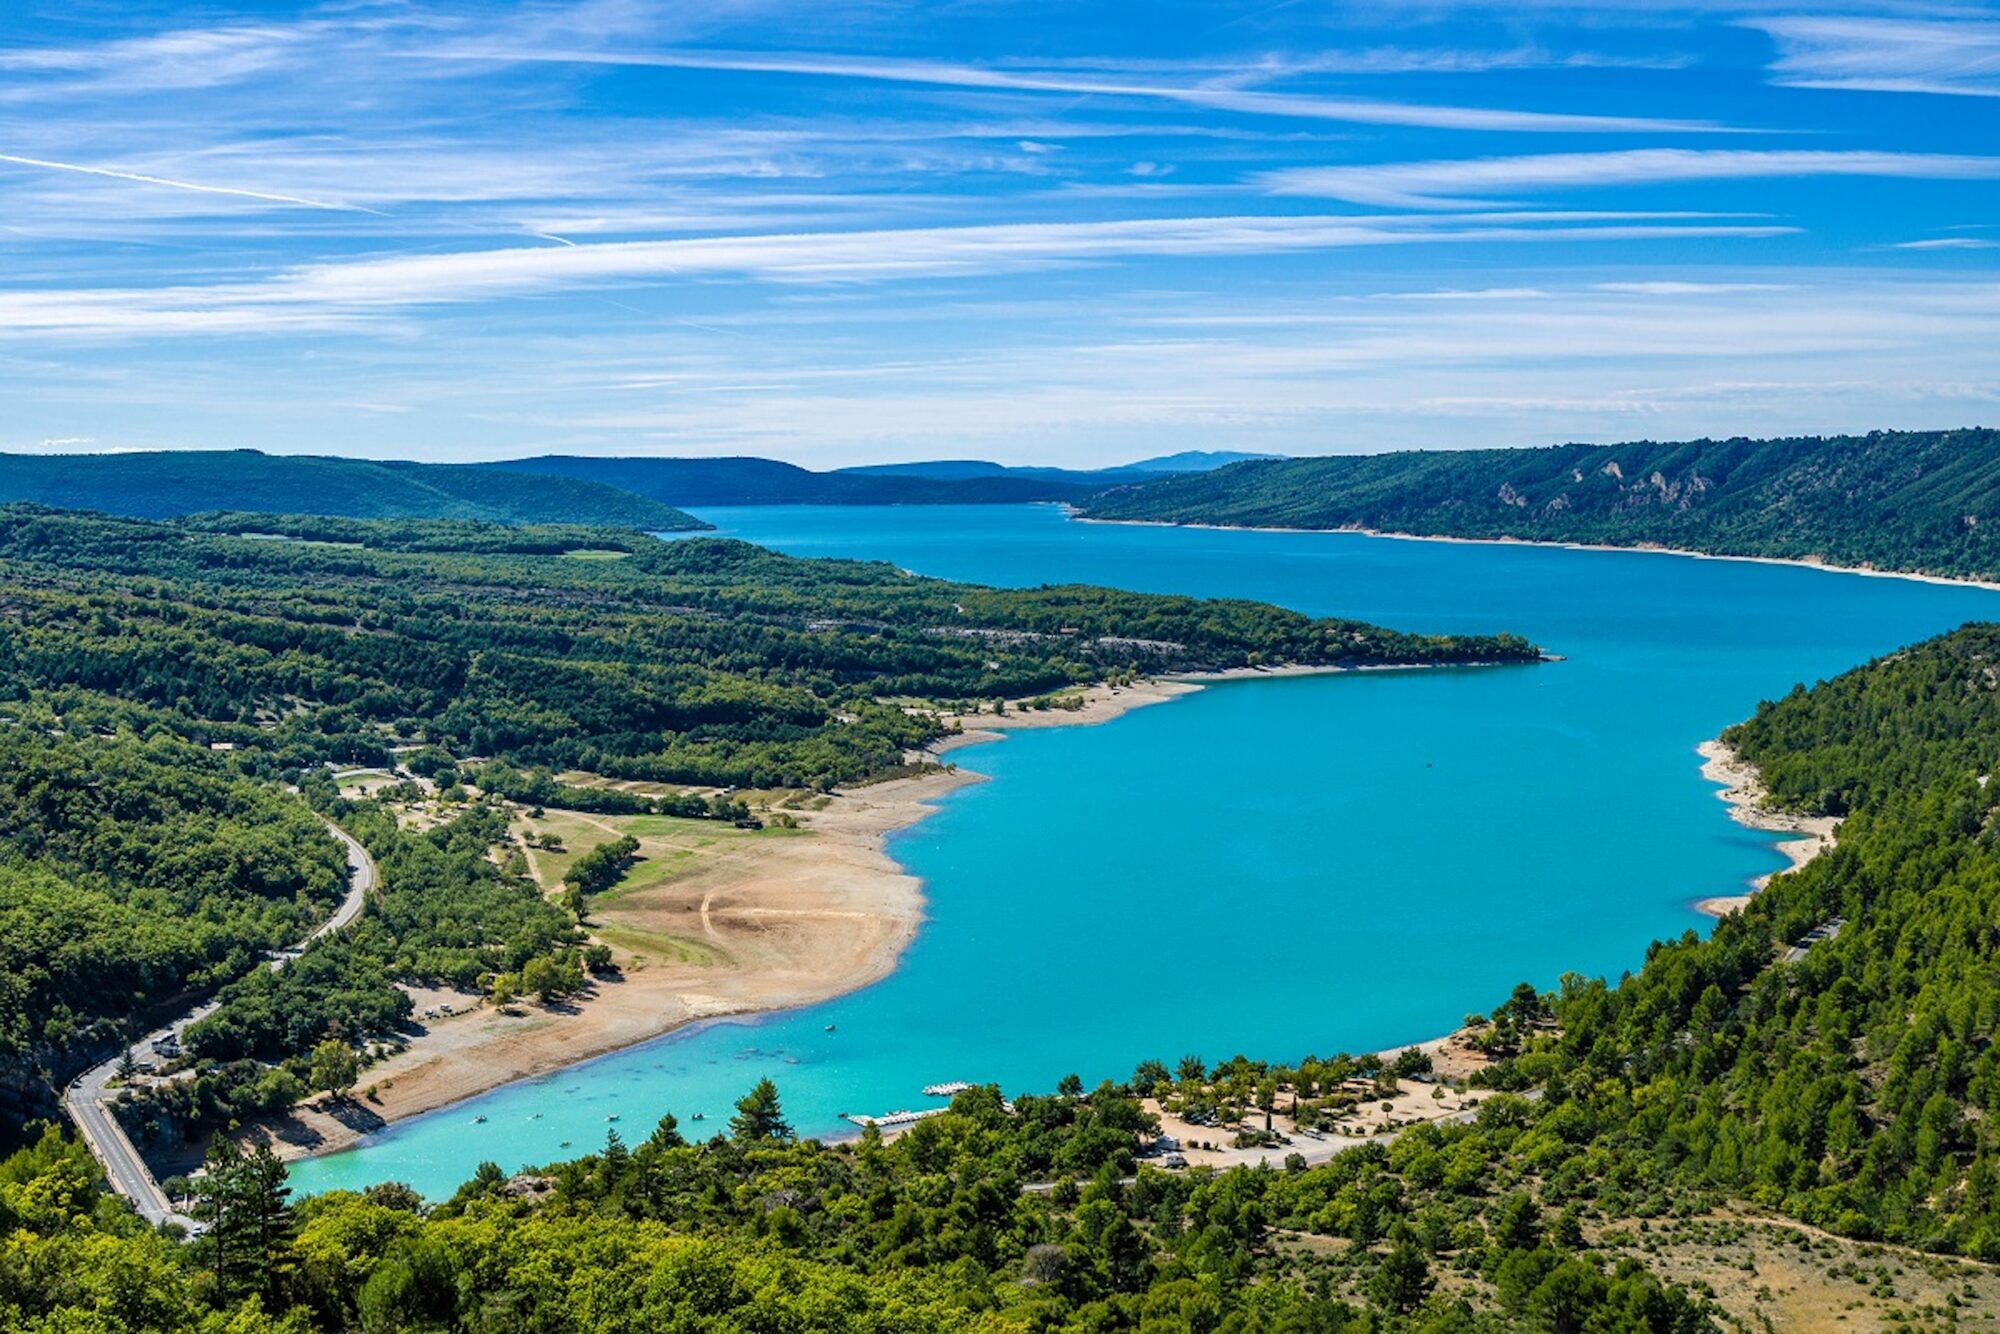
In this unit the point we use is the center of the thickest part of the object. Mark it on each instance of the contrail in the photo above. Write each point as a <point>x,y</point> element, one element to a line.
<point>186,185</point>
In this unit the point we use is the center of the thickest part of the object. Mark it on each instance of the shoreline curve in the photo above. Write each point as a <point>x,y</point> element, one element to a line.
<point>1743,790</point>
<point>431,1079</point>
<point>1635,548</point>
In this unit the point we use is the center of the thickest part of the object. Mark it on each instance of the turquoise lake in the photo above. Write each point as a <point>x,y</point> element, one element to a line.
<point>1277,867</point>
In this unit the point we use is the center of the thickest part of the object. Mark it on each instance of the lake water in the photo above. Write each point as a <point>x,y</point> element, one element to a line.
<point>1275,867</point>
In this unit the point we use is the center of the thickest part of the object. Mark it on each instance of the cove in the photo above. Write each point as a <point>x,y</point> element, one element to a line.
<point>1277,867</point>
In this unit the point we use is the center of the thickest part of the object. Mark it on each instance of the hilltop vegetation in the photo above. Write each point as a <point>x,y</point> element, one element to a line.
<point>166,484</point>
<point>131,871</point>
<point>931,1232</point>
<point>1856,1086</point>
<point>1850,1083</point>
<point>1894,500</point>
<point>159,680</point>
<point>698,661</point>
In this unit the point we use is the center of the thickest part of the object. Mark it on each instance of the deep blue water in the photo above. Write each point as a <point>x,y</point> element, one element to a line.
<point>1274,867</point>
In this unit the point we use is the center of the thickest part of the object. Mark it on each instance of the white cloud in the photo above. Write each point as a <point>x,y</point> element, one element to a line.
<point>1949,243</point>
<point>945,74</point>
<point>141,178</point>
<point>344,292</point>
<point>185,59</point>
<point>1470,182</point>
<point>1897,55</point>
<point>1314,367</point>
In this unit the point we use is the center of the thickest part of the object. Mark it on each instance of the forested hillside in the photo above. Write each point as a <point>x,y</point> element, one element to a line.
<point>1856,1086</point>
<point>700,661</point>
<point>159,680</point>
<point>169,483</point>
<point>1893,500</point>
<point>1843,1078</point>
<point>934,1232</point>
<point>132,871</point>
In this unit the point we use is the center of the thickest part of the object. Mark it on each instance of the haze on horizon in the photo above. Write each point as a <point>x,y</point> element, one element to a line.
<point>881,230</point>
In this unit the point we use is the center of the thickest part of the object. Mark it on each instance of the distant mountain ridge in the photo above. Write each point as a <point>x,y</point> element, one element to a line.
<point>1915,501</point>
<point>1198,460</point>
<point>167,483</point>
<point>759,481</point>
<point>753,481</point>
<point>631,492</point>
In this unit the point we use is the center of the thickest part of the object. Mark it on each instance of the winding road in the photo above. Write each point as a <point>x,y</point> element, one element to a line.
<point>84,1098</point>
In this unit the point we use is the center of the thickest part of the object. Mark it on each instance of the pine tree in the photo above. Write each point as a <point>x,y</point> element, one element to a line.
<point>759,1117</point>
<point>242,1200</point>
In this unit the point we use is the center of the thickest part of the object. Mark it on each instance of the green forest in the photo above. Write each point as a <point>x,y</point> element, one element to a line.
<point>160,680</point>
<point>694,661</point>
<point>157,485</point>
<point>1844,1080</point>
<point>1921,501</point>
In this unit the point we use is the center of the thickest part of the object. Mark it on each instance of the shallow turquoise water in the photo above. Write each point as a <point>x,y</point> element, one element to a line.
<point>1274,867</point>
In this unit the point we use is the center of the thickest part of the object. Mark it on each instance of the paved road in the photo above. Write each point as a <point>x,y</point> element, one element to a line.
<point>123,1167</point>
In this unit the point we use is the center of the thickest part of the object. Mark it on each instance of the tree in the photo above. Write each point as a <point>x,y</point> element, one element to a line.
<point>1267,1097</point>
<point>667,1134</point>
<point>759,1117</point>
<point>1517,1226</point>
<point>334,1068</point>
<point>1404,1279</point>
<point>242,1198</point>
<point>541,976</point>
<point>1412,1061</point>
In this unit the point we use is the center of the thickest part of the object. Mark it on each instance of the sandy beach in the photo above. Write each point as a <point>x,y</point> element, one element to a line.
<point>731,924</point>
<point>1749,806</point>
<point>712,923</point>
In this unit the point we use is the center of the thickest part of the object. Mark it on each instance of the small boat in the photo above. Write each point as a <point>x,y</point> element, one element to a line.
<point>536,1117</point>
<point>612,1117</point>
<point>479,1120</point>
<point>699,1116</point>
<point>829,1028</point>
<point>564,1144</point>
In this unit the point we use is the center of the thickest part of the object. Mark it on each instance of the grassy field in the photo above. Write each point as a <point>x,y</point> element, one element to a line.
<point>669,848</point>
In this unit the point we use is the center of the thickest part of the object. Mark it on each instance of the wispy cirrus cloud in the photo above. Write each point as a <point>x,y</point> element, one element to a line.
<point>1959,57</point>
<point>180,59</point>
<point>1473,182</point>
<point>1950,243</point>
<point>948,74</point>
<point>933,238</point>
<point>141,178</point>
<point>347,293</point>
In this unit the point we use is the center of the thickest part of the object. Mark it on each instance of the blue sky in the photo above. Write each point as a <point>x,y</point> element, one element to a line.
<point>1050,233</point>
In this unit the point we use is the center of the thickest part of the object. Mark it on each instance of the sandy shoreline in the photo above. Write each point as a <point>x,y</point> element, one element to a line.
<point>1748,800</point>
<point>775,925</point>
<point>796,921</point>
<point>1640,548</point>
